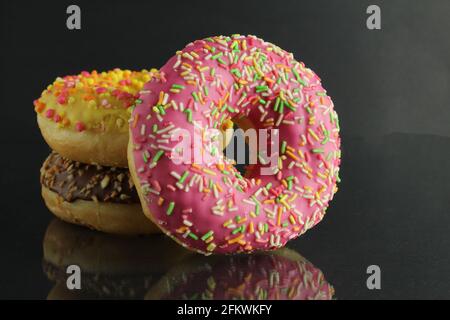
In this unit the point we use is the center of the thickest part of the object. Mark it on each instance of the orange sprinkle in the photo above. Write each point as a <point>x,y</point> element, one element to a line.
<point>135,120</point>
<point>182,229</point>
<point>242,221</point>
<point>187,65</point>
<point>237,239</point>
<point>196,166</point>
<point>251,227</point>
<point>293,156</point>
<point>280,210</point>
<point>269,80</point>
<point>161,97</point>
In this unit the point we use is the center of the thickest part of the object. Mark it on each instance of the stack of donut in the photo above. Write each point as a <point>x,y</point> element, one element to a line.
<point>207,206</point>
<point>85,180</point>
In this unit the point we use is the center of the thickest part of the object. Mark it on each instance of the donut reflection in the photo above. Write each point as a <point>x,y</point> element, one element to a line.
<point>112,267</point>
<point>155,267</point>
<point>279,275</point>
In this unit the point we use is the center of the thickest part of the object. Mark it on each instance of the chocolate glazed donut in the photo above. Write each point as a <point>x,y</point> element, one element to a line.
<point>101,198</point>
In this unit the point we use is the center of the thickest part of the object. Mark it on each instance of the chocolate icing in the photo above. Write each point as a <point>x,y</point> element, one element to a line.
<point>73,180</point>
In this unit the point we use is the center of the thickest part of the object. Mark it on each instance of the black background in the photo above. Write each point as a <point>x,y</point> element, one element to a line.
<point>390,88</point>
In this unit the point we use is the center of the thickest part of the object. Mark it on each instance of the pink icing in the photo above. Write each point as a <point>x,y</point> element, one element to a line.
<point>221,212</point>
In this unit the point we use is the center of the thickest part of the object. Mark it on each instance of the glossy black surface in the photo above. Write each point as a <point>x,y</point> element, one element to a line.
<point>390,89</point>
<point>392,210</point>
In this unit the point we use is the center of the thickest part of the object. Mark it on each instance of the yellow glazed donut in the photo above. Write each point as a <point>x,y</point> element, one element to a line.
<point>85,117</point>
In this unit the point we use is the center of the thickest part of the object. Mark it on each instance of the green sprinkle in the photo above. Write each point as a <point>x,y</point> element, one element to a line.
<point>321,94</point>
<point>238,229</point>
<point>329,156</point>
<point>183,177</point>
<point>161,110</point>
<point>283,147</point>
<point>157,156</point>
<point>269,185</point>
<point>261,88</point>
<point>317,150</point>
<point>281,107</point>
<point>217,56</point>
<point>177,86</point>
<point>138,101</point>
<point>277,103</point>
<point>194,94</point>
<point>170,208</point>
<point>205,90</point>
<point>155,127</point>
<point>257,209</point>
<point>326,139</point>
<point>207,235</point>
<point>290,106</point>
<point>193,236</point>
<point>221,61</point>
<point>236,72</point>
<point>297,76</point>
<point>189,114</point>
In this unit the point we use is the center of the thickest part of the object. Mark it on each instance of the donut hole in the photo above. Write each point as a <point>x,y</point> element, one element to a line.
<point>232,150</point>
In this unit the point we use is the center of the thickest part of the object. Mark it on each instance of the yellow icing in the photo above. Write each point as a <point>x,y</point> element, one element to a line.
<point>93,101</point>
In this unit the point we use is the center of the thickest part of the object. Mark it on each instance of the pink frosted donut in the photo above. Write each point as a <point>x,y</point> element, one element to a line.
<point>209,207</point>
